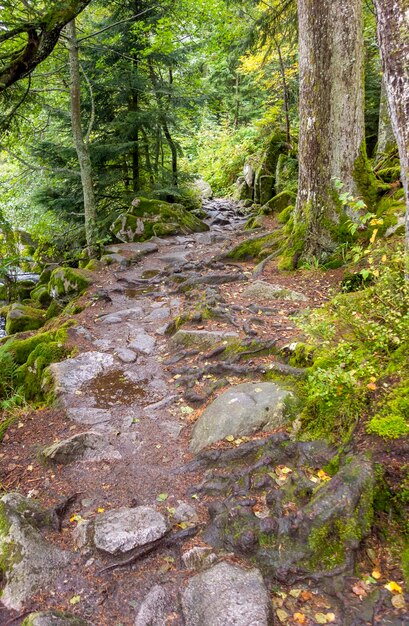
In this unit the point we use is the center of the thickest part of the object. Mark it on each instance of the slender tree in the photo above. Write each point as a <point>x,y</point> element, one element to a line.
<point>393,34</point>
<point>332,131</point>
<point>81,143</point>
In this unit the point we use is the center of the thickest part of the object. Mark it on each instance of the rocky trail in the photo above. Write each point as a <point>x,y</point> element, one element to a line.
<point>120,513</point>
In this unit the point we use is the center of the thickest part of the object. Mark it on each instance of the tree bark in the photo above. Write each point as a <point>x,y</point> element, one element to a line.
<point>332,131</point>
<point>393,28</point>
<point>81,146</point>
<point>41,39</point>
<point>386,137</point>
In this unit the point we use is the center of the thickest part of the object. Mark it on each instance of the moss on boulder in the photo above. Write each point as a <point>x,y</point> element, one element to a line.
<point>148,218</point>
<point>21,318</point>
<point>286,174</point>
<point>253,248</point>
<point>54,618</point>
<point>40,294</point>
<point>66,283</point>
<point>280,202</point>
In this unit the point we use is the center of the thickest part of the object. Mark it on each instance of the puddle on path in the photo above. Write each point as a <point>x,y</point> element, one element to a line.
<point>149,274</point>
<point>114,388</point>
<point>141,291</point>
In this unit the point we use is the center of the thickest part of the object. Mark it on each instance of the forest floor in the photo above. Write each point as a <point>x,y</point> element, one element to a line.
<point>147,417</point>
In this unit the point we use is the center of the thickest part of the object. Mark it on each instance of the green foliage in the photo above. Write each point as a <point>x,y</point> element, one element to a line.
<point>360,342</point>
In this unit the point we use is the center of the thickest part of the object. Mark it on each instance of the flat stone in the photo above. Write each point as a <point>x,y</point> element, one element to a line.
<point>184,512</point>
<point>54,618</point>
<point>241,410</point>
<point>125,355</point>
<point>115,259</point>
<point>173,258</point>
<point>226,595</point>
<point>142,342</point>
<point>122,530</point>
<point>89,416</point>
<point>154,609</point>
<point>263,291</point>
<point>89,446</point>
<point>203,339</point>
<point>158,315</point>
<point>69,375</point>
<point>138,249</point>
<point>32,563</point>
<point>120,316</point>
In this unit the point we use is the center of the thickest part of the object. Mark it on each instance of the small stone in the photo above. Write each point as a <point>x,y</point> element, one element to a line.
<point>142,343</point>
<point>90,446</point>
<point>198,558</point>
<point>158,315</point>
<point>203,339</point>
<point>125,355</point>
<point>184,513</point>
<point>82,534</point>
<point>263,291</point>
<point>122,530</point>
<point>226,595</point>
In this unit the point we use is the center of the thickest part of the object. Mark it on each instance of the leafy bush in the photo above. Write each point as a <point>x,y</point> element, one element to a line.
<point>361,363</point>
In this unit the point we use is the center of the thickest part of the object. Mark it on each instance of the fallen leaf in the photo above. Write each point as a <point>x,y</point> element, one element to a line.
<point>323,475</point>
<point>75,518</point>
<point>282,615</point>
<point>322,618</point>
<point>376,574</point>
<point>306,596</point>
<point>359,590</point>
<point>398,601</point>
<point>300,618</point>
<point>101,509</point>
<point>75,600</point>
<point>162,497</point>
<point>230,438</point>
<point>295,593</point>
<point>393,587</point>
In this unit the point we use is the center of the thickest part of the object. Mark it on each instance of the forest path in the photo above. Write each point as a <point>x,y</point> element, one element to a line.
<point>128,401</point>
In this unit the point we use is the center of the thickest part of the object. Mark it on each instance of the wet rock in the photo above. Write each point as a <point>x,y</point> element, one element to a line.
<point>154,609</point>
<point>54,618</point>
<point>198,558</point>
<point>263,291</point>
<point>122,530</point>
<point>241,410</point>
<point>203,339</point>
<point>89,446</point>
<point>115,259</point>
<point>82,534</point>
<point>28,562</point>
<point>68,376</point>
<point>226,595</point>
<point>90,416</point>
<point>126,355</point>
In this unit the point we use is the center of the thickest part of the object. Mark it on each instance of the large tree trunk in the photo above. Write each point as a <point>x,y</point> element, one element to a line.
<point>81,146</point>
<point>332,131</point>
<point>386,137</point>
<point>393,29</point>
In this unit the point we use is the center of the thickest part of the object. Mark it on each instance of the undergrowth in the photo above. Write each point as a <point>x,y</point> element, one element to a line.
<point>361,364</point>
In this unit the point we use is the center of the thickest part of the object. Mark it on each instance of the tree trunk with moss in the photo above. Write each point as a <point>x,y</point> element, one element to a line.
<point>81,145</point>
<point>332,130</point>
<point>386,137</point>
<point>393,34</point>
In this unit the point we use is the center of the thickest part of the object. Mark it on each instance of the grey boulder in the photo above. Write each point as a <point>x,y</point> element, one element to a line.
<point>241,410</point>
<point>142,343</point>
<point>154,609</point>
<point>121,530</point>
<point>88,446</point>
<point>29,563</point>
<point>68,376</point>
<point>203,339</point>
<point>263,291</point>
<point>226,595</point>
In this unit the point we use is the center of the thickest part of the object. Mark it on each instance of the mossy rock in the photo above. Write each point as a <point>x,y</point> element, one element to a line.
<point>268,167</point>
<point>94,265</point>
<point>21,347</point>
<point>266,188</point>
<point>23,289</point>
<point>3,291</point>
<point>280,202</point>
<point>29,375</point>
<point>54,310</point>
<point>40,294</point>
<point>46,273</point>
<point>149,218</point>
<point>285,215</point>
<point>253,248</point>
<point>257,221</point>
<point>21,318</point>
<point>66,283</point>
<point>243,191</point>
<point>286,174</point>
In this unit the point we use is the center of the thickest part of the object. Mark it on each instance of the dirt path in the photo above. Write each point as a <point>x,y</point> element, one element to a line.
<point>142,402</point>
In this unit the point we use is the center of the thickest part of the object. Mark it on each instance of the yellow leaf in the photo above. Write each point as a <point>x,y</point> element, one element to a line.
<point>299,618</point>
<point>393,587</point>
<point>75,600</point>
<point>295,593</point>
<point>230,438</point>
<point>282,615</point>
<point>101,509</point>
<point>323,475</point>
<point>372,386</point>
<point>75,518</point>
<point>376,574</point>
<point>374,234</point>
<point>330,618</point>
<point>384,258</point>
<point>320,618</point>
<point>398,601</point>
